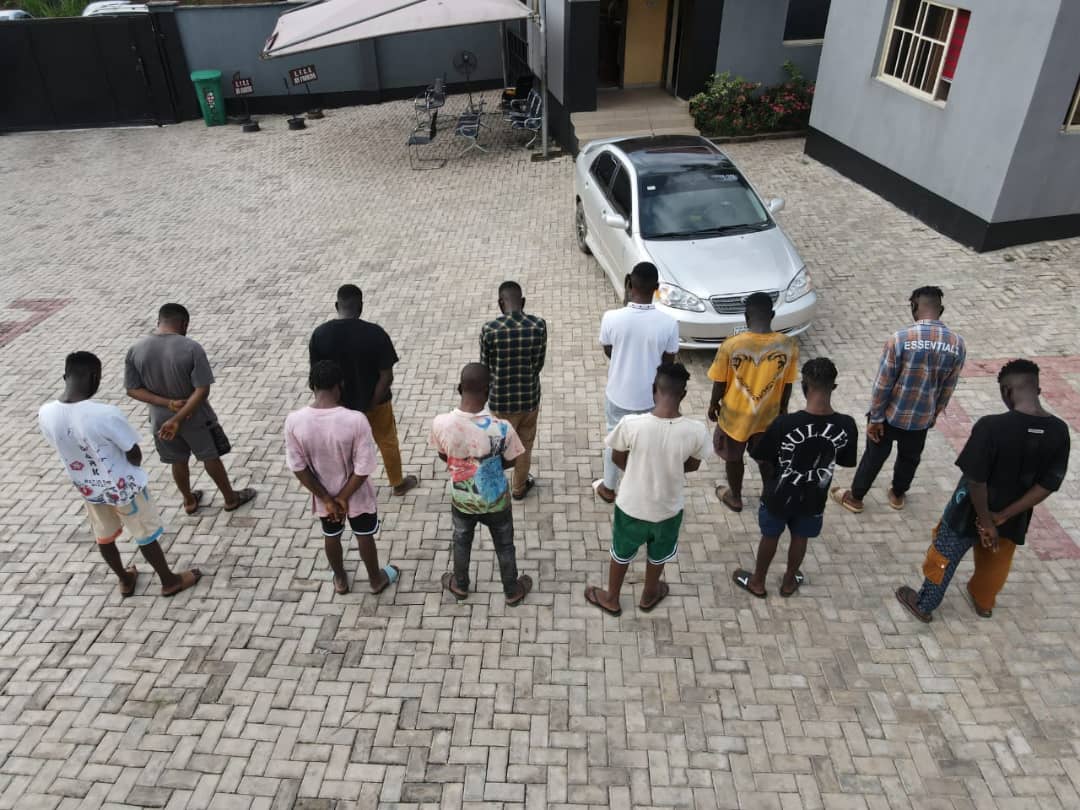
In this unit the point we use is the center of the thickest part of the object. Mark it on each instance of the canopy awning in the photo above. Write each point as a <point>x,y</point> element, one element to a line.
<point>335,22</point>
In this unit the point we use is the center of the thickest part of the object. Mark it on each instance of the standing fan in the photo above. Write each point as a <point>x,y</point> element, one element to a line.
<point>465,63</point>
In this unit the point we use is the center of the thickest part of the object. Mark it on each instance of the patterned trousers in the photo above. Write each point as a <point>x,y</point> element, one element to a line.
<point>945,553</point>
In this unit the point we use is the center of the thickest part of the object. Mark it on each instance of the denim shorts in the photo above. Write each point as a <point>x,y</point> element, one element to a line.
<point>802,525</point>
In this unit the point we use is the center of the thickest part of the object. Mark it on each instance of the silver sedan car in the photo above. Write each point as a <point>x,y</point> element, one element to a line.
<point>679,202</point>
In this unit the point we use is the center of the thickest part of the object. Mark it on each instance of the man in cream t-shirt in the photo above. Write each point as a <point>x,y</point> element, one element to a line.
<point>656,450</point>
<point>637,339</point>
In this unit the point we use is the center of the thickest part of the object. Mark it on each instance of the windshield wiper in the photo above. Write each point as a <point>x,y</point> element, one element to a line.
<point>720,229</point>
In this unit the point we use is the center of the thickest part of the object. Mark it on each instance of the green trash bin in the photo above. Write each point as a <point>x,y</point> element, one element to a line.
<point>211,97</point>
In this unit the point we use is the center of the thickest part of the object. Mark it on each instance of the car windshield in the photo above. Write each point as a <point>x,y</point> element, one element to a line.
<point>697,200</point>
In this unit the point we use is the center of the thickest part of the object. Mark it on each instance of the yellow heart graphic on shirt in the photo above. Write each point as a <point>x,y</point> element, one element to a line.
<point>757,375</point>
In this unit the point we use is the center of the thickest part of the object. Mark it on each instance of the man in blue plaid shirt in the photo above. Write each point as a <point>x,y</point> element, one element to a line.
<point>513,347</point>
<point>919,369</point>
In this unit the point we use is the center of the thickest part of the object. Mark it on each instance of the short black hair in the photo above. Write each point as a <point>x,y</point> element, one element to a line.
<point>1018,368</point>
<point>512,289</point>
<point>475,377</point>
<point>672,377</point>
<point>173,313</point>
<point>929,292</point>
<point>759,303</point>
<point>348,293</point>
<point>324,375</point>
<point>645,277</point>
<point>81,364</point>
<point>819,374</point>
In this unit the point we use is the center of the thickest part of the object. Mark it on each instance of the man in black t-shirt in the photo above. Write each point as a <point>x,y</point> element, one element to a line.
<point>797,454</point>
<point>1012,462</point>
<point>366,356</point>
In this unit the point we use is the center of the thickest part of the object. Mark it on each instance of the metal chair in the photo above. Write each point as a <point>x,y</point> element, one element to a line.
<point>424,135</point>
<point>530,121</point>
<point>468,126</point>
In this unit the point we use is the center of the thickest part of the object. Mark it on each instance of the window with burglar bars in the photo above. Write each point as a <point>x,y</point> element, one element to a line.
<point>923,47</point>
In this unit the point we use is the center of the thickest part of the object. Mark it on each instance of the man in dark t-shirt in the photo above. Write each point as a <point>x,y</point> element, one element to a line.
<point>366,356</point>
<point>1012,462</point>
<point>798,453</point>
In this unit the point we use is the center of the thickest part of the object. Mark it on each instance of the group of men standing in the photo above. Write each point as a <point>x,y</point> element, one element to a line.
<point>1011,462</point>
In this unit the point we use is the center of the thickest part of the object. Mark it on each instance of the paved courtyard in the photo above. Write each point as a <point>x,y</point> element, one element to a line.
<point>261,689</point>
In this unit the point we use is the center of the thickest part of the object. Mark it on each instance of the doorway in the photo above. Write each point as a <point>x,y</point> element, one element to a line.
<point>612,44</point>
<point>674,47</point>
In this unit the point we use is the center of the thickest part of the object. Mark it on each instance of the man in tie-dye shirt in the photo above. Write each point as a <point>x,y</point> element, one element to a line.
<point>477,447</point>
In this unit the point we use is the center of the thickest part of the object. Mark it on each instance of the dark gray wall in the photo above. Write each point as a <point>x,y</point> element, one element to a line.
<point>752,42</point>
<point>960,150</point>
<point>1044,178</point>
<point>230,38</point>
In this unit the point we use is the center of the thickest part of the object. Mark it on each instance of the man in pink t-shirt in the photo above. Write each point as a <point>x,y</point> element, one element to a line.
<point>332,451</point>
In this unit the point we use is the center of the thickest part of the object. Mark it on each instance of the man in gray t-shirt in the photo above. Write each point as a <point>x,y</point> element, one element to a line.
<point>170,372</point>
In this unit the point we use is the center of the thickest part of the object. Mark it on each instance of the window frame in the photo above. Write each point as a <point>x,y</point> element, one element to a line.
<point>1072,117</point>
<point>604,185</point>
<point>623,171</point>
<point>795,43</point>
<point>891,31</point>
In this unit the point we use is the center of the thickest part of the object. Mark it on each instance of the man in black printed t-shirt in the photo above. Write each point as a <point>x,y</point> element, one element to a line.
<point>798,454</point>
<point>1012,462</point>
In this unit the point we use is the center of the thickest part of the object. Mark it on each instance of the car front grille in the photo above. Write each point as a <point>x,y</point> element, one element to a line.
<point>735,304</point>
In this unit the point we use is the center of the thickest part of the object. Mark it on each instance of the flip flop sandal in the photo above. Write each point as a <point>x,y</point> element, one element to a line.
<point>130,591</point>
<point>840,496</point>
<point>599,482</point>
<point>662,590</point>
<point>909,598</point>
<point>590,597</point>
<point>188,579</point>
<point>448,585</point>
<point>392,575</point>
<point>722,493</point>
<point>242,497</point>
<point>742,578</point>
<point>799,579</point>
<point>526,584</point>
<point>341,588</point>
<point>198,496</point>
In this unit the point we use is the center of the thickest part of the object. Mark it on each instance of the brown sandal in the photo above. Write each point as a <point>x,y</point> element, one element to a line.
<point>187,580</point>
<point>243,496</point>
<point>910,600</point>
<point>448,585</point>
<point>130,590</point>
<point>722,493</point>
<point>198,495</point>
<point>662,591</point>
<point>525,583</point>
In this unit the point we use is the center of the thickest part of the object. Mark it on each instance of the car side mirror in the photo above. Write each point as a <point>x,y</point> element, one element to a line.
<point>776,205</point>
<point>615,221</point>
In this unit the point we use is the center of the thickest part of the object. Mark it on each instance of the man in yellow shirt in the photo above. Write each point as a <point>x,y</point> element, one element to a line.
<point>752,377</point>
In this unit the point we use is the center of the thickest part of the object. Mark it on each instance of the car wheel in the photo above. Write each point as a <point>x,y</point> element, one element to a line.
<point>581,229</point>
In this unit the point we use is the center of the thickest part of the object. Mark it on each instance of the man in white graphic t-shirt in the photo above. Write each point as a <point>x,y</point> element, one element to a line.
<point>638,339</point>
<point>101,456</point>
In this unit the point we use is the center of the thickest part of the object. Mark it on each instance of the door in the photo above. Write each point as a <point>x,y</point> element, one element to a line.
<point>621,241</point>
<point>671,74</point>
<point>646,40</point>
<point>612,39</point>
<point>597,203</point>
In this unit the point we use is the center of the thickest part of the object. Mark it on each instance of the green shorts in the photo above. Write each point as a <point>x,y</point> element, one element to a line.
<point>628,534</point>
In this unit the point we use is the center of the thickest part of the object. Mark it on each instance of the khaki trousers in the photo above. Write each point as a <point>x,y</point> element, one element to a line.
<point>524,424</point>
<point>384,429</point>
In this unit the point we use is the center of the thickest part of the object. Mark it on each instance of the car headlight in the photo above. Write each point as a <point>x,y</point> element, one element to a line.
<point>677,298</point>
<point>799,286</point>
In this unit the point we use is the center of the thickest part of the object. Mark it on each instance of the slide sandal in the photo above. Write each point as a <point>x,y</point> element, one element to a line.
<point>242,497</point>
<point>590,597</point>
<point>392,575</point>
<point>198,495</point>
<point>742,579</point>
<point>799,579</point>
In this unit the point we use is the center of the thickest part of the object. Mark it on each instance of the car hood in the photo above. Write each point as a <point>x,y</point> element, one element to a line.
<point>727,265</point>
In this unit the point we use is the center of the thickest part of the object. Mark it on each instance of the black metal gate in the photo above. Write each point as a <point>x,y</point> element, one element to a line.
<point>92,71</point>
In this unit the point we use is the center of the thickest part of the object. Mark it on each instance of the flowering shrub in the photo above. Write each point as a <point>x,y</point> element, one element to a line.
<point>733,106</point>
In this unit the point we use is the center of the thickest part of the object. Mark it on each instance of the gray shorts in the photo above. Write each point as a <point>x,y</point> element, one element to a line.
<point>193,438</point>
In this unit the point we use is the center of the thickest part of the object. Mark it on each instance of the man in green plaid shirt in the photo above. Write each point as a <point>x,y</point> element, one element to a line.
<point>513,347</point>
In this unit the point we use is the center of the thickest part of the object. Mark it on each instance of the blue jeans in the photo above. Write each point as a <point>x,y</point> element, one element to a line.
<point>613,413</point>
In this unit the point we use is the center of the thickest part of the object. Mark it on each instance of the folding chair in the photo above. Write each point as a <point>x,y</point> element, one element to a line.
<point>424,135</point>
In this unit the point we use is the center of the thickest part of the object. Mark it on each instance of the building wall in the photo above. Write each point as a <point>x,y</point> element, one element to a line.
<point>230,38</point>
<point>556,16</point>
<point>752,42</point>
<point>960,151</point>
<point>1044,177</point>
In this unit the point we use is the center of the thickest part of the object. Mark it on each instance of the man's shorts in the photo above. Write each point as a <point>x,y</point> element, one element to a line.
<point>801,525</point>
<point>139,516</point>
<point>361,525</point>
<point>193,438</point>
<point>730,449</point>
<point>628,534</point>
